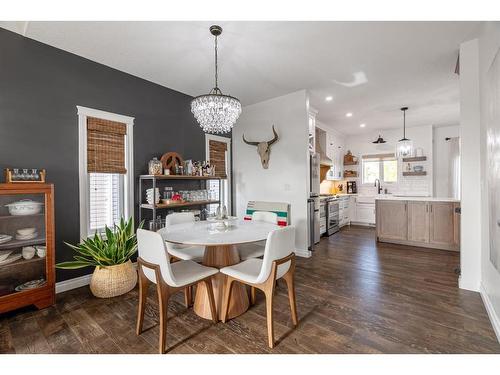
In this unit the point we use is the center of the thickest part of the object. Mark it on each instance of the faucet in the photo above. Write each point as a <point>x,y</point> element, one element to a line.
<point>379,188</point>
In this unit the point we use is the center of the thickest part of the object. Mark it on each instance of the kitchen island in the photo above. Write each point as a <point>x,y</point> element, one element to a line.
<point>418,221</point>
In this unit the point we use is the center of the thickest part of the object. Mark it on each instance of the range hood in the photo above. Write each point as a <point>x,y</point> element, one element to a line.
<point>321,145</point>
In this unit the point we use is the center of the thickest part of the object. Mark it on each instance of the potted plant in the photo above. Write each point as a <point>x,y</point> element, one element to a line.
<point>110,253</point>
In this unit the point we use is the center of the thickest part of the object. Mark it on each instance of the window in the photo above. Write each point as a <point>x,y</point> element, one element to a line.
<point>383,166</point>
<point>106,169</point>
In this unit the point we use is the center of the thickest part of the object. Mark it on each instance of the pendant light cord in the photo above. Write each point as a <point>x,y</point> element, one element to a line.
<point>216,66</point>
<point>404,124</point>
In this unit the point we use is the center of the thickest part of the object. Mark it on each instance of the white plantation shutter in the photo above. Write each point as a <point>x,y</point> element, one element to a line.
<point>106,200</point>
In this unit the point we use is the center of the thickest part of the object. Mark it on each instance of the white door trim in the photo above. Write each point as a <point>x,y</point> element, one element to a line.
<point>212,137</point>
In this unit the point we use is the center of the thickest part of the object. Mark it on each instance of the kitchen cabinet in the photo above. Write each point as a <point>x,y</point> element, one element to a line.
<point>442,224</point>
<point>344,211</point>
<point>418,221</point>
<point>392,220</point>
<point>433,224</point>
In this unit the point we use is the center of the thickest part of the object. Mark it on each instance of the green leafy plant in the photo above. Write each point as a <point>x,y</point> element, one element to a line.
<point>114,246</point>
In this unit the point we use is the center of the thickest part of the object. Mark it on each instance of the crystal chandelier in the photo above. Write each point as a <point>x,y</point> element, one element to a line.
<point>404,148</point>
<point>216,112</point>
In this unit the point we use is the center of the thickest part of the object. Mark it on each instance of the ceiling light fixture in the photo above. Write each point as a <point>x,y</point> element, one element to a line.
<point>379,140</point>
<point>329,98</point>
<point>362,125</point>
<point>404,147</point>
<point>216,112</point>
<point>348,114</point>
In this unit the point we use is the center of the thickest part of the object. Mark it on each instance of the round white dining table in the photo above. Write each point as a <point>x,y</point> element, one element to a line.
<point>220,251</point>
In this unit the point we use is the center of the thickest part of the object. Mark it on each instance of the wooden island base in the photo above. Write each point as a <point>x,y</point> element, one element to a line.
<point>219,257</point>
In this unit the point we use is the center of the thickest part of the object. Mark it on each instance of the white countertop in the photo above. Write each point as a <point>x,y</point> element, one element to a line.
<point>422,199</point>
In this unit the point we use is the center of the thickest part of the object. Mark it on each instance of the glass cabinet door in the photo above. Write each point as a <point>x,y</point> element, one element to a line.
<point>22,243</point>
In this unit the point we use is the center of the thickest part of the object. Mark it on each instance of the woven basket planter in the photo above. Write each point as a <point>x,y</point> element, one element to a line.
<point>113,281</point>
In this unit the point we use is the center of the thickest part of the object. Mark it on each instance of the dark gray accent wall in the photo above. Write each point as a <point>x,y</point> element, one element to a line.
<point>40,87</point>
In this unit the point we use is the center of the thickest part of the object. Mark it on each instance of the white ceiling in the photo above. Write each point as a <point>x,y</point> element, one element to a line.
<point>370,68</point>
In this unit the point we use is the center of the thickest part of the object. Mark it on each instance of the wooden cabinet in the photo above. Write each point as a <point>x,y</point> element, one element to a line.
<point>26,223</point>
<point>418,221</point>
<point>392,220</point>
<point>442,224</point>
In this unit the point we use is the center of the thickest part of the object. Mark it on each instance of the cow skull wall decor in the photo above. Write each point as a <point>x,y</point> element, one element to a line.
<point>263,148</point>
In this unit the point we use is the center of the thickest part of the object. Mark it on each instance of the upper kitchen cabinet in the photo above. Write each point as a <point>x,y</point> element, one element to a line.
<point>330,146</point>
<point>312,129</point>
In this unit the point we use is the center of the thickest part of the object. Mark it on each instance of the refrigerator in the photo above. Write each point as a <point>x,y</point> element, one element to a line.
<point>313,214</point>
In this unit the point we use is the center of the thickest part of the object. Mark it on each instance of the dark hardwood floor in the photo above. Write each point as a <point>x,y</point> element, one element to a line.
<point>354,296</point>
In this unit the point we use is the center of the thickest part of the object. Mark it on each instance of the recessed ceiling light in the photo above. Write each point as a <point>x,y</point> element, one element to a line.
<point>348,114</point>
<point>362,125</point>
<point>329,98</point>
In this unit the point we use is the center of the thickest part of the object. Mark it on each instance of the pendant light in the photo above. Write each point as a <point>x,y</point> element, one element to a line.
<point>216,112</point>
<point>404,147</point>
<point>379,139</point>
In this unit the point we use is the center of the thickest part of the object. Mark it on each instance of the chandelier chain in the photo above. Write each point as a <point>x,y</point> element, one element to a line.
<point>216,65</point>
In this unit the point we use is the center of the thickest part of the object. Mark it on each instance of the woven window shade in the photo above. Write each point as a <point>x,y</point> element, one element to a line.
<point>218,157</point>
<point>105,146</point>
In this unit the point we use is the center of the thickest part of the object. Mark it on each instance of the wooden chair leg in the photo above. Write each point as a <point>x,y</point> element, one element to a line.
<point>143,297</point>
<point>269,311</point>
<point>253,295</point>
<point>228,284</point>
<point>290,284</point>
<point>188,299</point>
<point>163,297</point>
<point>211,299</point>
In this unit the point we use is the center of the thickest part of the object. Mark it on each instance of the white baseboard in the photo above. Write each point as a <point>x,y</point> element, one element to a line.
<point>77,282</point>
<point>303,253</point>
<point>494,318</point>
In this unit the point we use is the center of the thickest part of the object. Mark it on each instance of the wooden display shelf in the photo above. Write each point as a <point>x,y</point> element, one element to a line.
<point>22,261</point>
<point>178,177</point>
<point>423,173</point>
<point>351,163</point>
<point>413,159</point>
<point>20,243</point>
<point>177,205</point>
<point>20,216</point>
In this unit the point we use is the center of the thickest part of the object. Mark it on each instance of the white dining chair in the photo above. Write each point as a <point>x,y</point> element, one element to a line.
<point>178,251</point>
<point>154,266</point>
<point>278,262</point>
<point>256,249</point>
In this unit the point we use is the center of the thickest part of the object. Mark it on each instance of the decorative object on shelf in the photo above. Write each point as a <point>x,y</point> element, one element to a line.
<point>17,175</point>
<point>41,251</point>
<point>350,159</point>
<point>11,258</point>
<point>22,237</point>
<point>263,148</point>
<point>408,167</point>
<point>404,147</point>
<point>379,140</point>
<point>5,238</point>
<point>155,167</point>
<point>170,160</point>
<point>4,254</point>
<point>110,253</point>
<point>24,207</point>
<point>153,195</point>
<point>31,284</point>
<point>28,252</point>
<point>216,112</point>
<point>350,173</point>
<point>418,168</point>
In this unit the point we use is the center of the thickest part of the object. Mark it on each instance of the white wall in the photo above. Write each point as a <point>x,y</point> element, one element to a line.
<point>421,137</point>
<point>441,160</point>
<point>470,164</point>
<point>286,180</point>
<point>489,44</point>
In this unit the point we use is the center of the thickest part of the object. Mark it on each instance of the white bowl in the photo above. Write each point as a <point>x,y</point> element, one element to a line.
<point>24,207</point>
<point>41,251</point>
<point>28,252</point>
<point>26,231</point>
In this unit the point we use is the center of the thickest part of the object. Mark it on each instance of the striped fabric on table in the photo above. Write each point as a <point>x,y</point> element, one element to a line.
<point>279,208</point>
